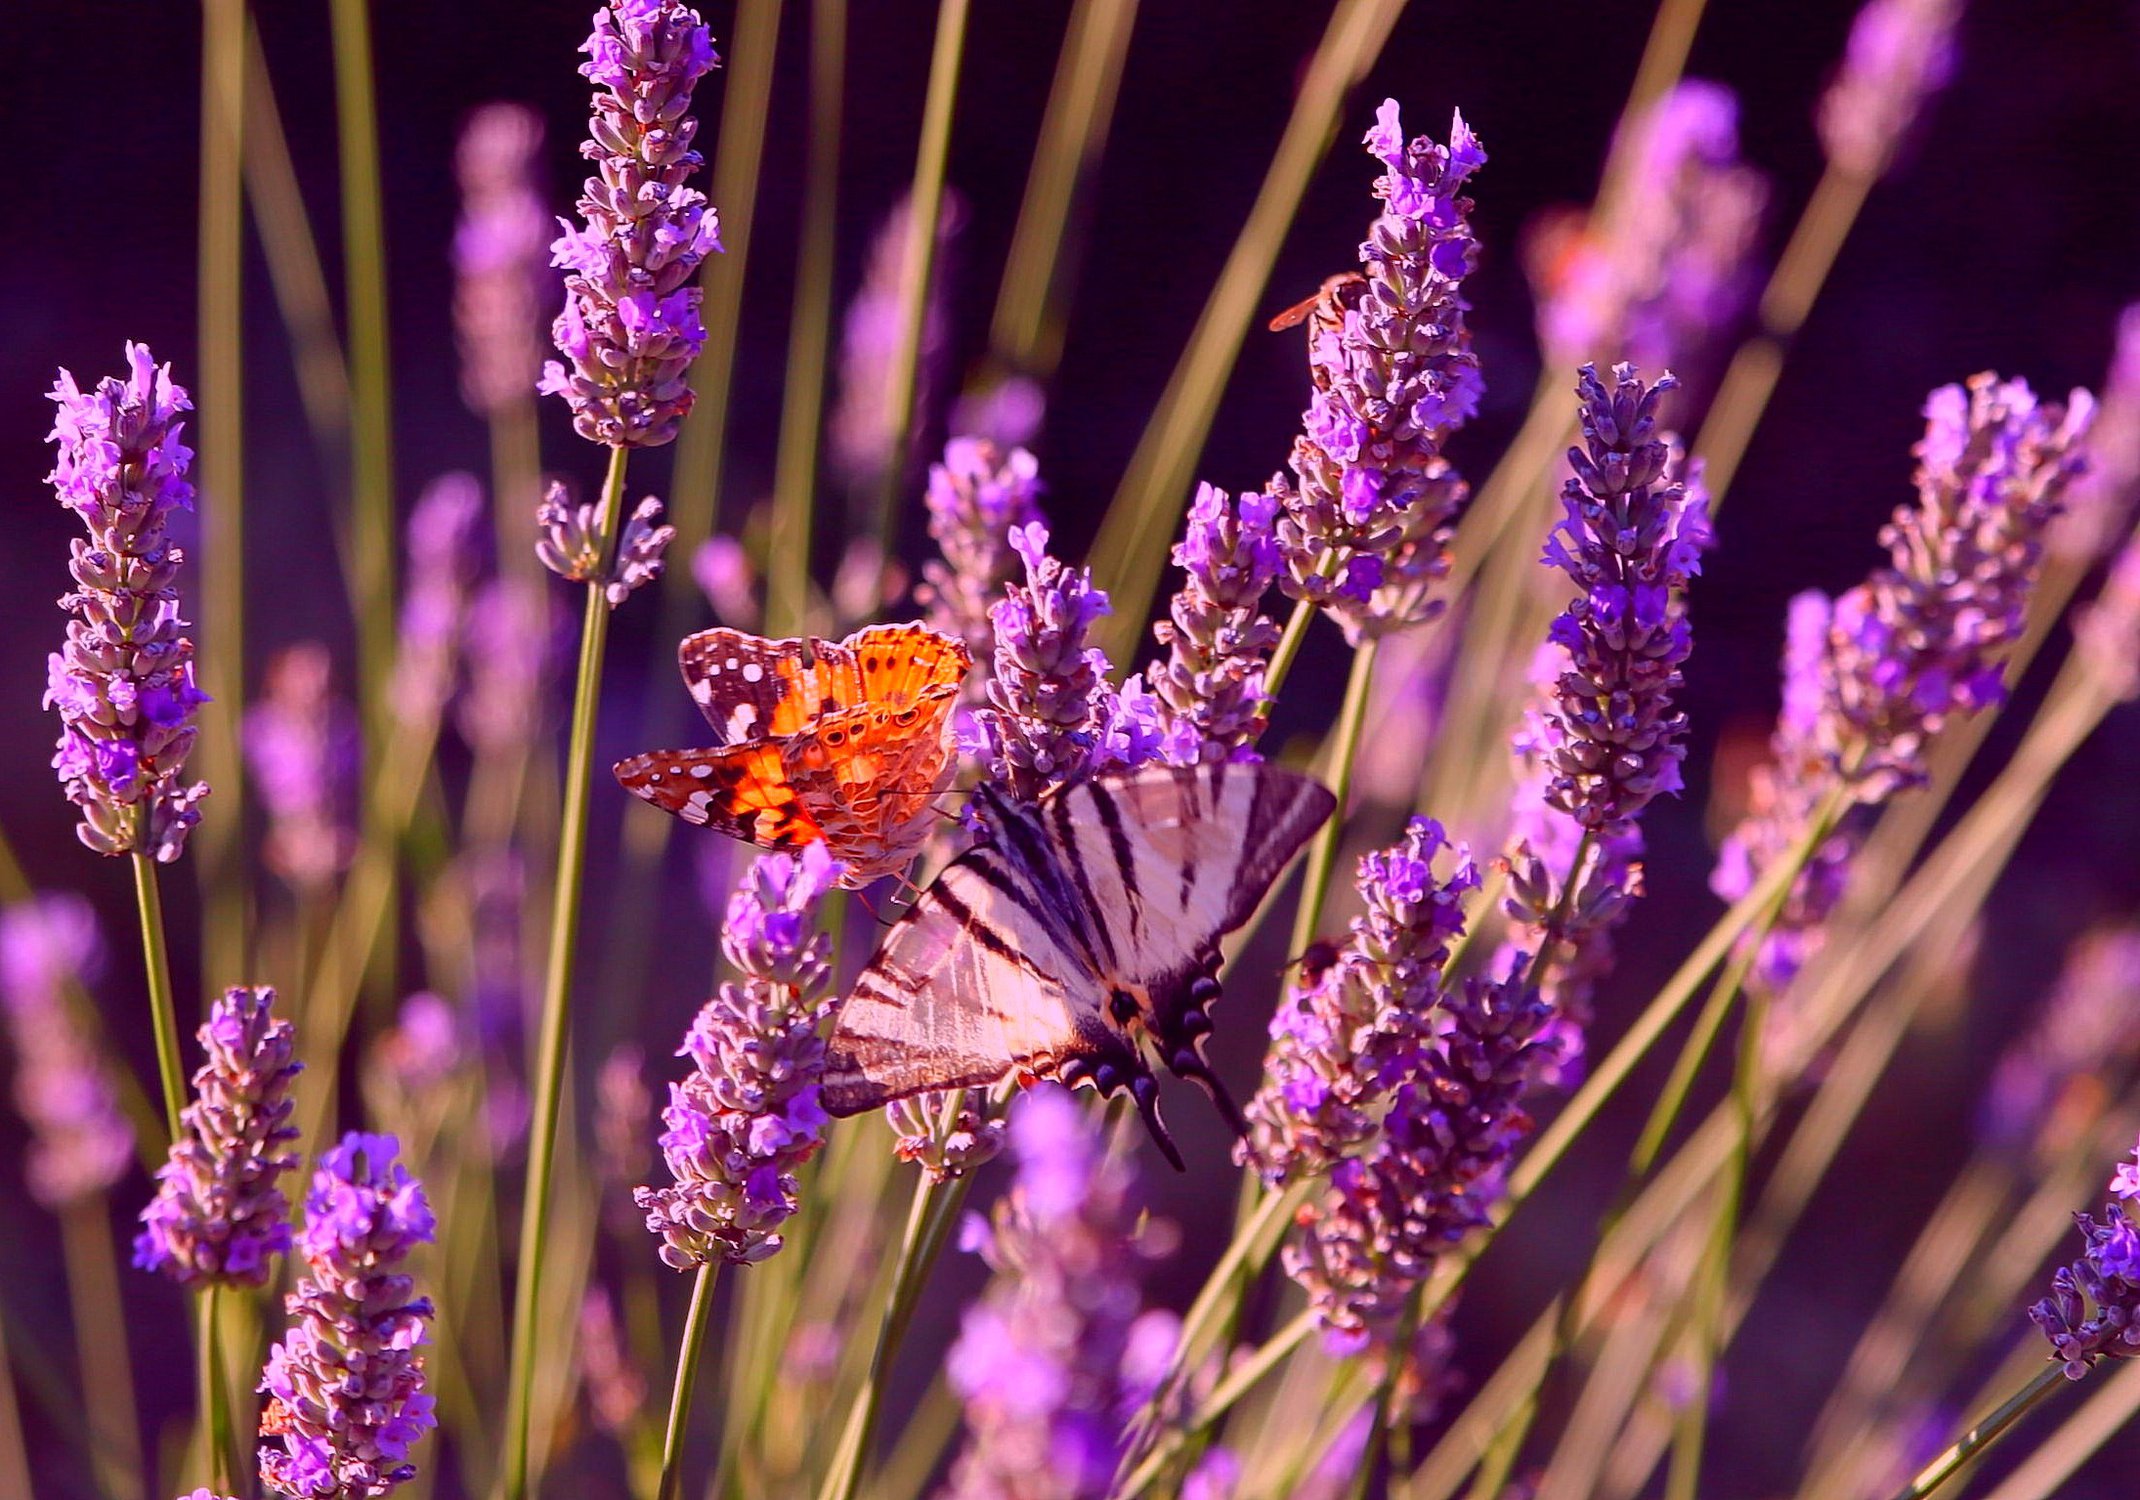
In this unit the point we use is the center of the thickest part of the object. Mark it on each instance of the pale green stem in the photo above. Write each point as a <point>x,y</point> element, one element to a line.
<point>925,205</point>
<point>929,1219</point>
<point>1287,651</point>
<point>218,1437</point>
<point>787,563</point>
<point>1323,854</point>
<point>687,1363</point>
<point>219,847</point>
<point>1980,1437</point>
<point>107,1390</point>
<point>163,1013</point>
<point>1131,548</point>
<point>557,989</point>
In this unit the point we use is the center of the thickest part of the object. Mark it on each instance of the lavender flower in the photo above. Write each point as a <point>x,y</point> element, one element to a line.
<point>123,684</point>
<point>1006,411</point>
<point>722,570</point>
<point>1901,53</point>
<point>1053,715</point>
<point>948,1139</point>
<point>303,743</point>
<point>1049,1360</point>
<point>347,1380</point>
<point>862,444</point>
<point>2085,1035</point>
<point>442,563</point>
<point>498,256</point>
<point>976,497</point>
<point>79,1143</point>
<point>509,644</point>
<point>623,1114</point>
<point>413,1064</point>
<point>2106,1277</point>
<point>1211,687</point>
<point>616,1387</point>
<point>748,1115</point>
<point>630,327</point>
<point>571,544</point>
<point>219,1216</point>
<point>1366,525</point>
<point>1874,675</point>
<point>2099,501</point>
<point>1344,1032</point>
<point>1665,266</point>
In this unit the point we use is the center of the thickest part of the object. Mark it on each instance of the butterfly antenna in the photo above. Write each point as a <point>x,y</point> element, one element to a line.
<point>1144,1088</point>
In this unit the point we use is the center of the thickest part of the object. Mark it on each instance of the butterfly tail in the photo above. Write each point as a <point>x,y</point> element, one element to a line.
<point>1144,1088</point>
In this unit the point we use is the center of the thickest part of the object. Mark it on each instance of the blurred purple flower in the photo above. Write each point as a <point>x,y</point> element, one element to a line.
<point>500,256</point>
<point>1664,265</point>
<point>1873,676</point>
<point>418,1056</point>
<point>347,1380</point>
<point>976,497</point>
<point>79,1143</point>
<point>508,644</point>
<point>1344,1032</point>
<point>630,327</point>
<point>2106,1278</point>
<point>2099,501</point>
<point>303,744</point>
<point>1210,688</point>
<point>1366,525</point>
<point>1900,53</point>
<point>860,440</point>
<point>219,1215</point>
<point>123,684</point>
<point>444,558</point>
<point>1053,1356</point>
<point>623,1123</point>
<point>616,1387</point>
<point>1008,412</point>
<point>748,1115</point>
<point>722,570</point>
<point>2086,1034</point>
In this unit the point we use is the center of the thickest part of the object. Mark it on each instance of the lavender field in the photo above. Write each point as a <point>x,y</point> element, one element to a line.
<point>1071,751</point>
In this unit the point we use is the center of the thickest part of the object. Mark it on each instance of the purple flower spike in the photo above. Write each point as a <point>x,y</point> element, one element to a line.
<point>748,1116</point>
<point>2105,1279</point>
<point>2085,1030</point>
<point>1873,676</point>
<point>79,1143</point>
<point>347,1380</point>
<point>977,496</point>
<point>443,560</point>
<point>858,435</point>
<point>219,1216</point>
<point>630,327</point>
<point>1367,523</point>
<point>1668,266</point>
<point>123,684</point>
<point>1054,1353</point>
<point>1211,687</point>
<point>500,257</point>
<point>1343,1035</point>
<point>303,744</point>
<point>1901,53</point>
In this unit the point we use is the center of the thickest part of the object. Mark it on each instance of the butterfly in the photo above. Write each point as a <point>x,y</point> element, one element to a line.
<point>1080,929</point>
<point>844,741</point>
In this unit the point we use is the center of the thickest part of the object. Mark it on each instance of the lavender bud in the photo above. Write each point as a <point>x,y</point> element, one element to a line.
<point>1900,53</point>
<point>1211,686</point>
<point>2106,1279</point>
<point>123,683</point>
<point>630,327</point>
<point>79,1142</point>
<point>500,258</point>
<point>946,1148</point>
<point>571,544</point>
<point>976,497</point>
<point>347,1380</point>
<point>219,1216</point>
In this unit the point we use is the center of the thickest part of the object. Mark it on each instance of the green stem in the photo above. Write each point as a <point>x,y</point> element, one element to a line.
<point>557,988</point>
<point>107,1371</point>
<point>925,205</point>
<point>1287,650</point>
<point>935,1205</point>
<point>802,407</point>
<point>687,1363</point>
<point>1980,1437</point>
<point>163,1014</point>
<point>220,1439</point>
<point>1322,857</point>
<point>1672,1100</point>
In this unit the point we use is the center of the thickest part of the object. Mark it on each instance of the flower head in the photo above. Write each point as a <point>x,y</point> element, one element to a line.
<point>443,560</point>
<point>302,743</point>
<point>571,544</point>
<point>79,1142</point>
<point>2085,1030</point>
<point>123,683</point>
<point>748,1115</point>
<point>1368,519</point>
<point>2093,1311</point>
<point>499,256</point>
<point>1900,53</point>
<point>630,327</point>
<point>219,1216</point>
<point>1211,687</point>
<point>976,497</point>
<point>861,441</point>
<point>347,1381</point>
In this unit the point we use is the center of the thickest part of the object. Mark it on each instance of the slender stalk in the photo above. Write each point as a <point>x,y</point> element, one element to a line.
<point>802,406</point>
<point>14,1454</point>
<point>557,991</point>
<point>1980,1437</point>
<point>687,1363</point>
<point>929,1220</point>
<point>1287,651</point>
<point>2101,1417</point>
<point>925,205</point>
<point>163,1015</point>
<point>220,850</point>
<point>1131,550</point>
<point>107,1389</point>
<point>218,1437</point>
<point>1323,855</point>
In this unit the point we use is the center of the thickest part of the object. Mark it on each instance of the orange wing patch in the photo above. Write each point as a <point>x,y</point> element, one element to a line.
<point>847,741</point>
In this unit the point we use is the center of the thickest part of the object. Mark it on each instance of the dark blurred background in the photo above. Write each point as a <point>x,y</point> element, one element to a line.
<point>2009,237</point>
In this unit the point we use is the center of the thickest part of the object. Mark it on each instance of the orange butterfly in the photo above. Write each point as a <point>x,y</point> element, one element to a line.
<point>845,741</point>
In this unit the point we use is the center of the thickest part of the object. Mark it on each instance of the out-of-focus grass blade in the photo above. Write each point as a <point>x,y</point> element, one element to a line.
<point>1131,548</point>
